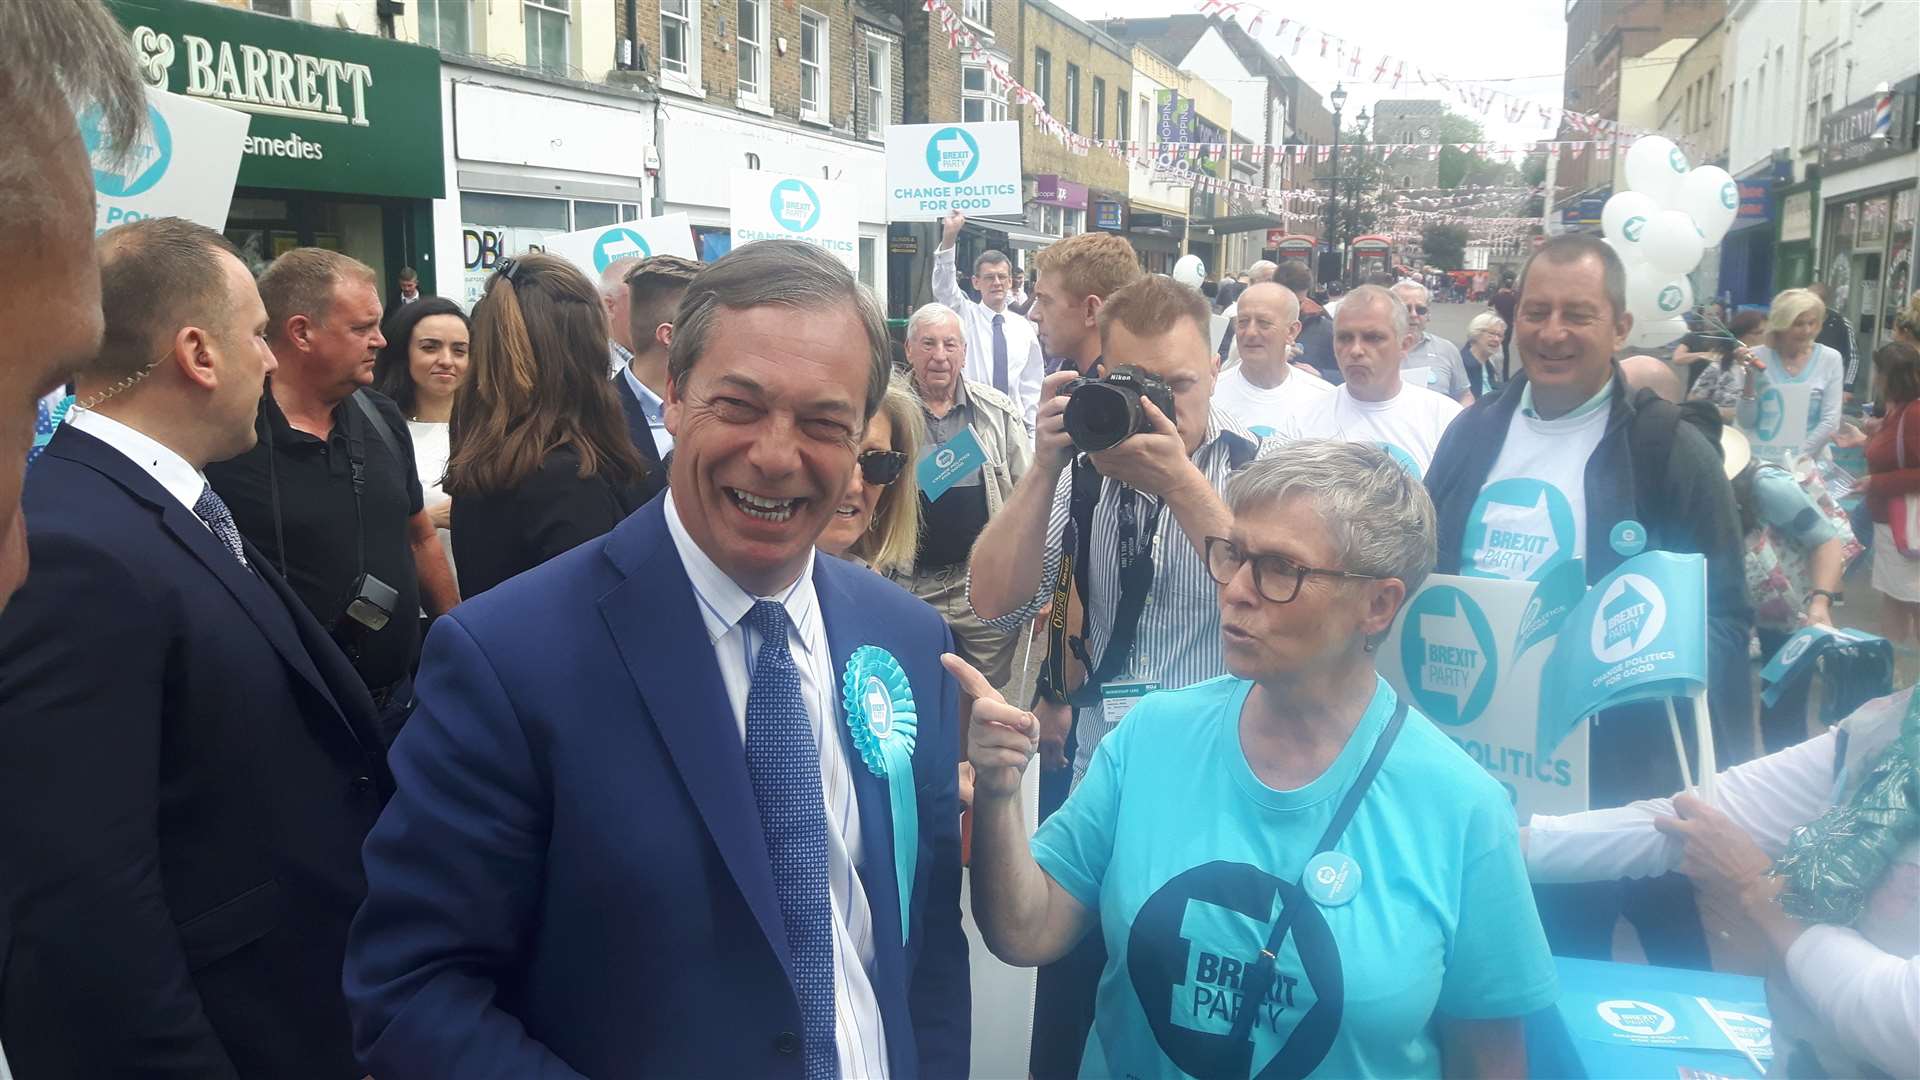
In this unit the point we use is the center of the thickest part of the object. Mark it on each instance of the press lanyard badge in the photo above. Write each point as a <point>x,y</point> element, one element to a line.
<point>1117,699</point>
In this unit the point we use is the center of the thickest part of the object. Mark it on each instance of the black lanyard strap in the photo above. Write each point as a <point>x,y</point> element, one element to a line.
<point>1259,978</point>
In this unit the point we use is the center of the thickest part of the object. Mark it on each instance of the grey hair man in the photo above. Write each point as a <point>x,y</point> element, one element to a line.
<point>710,616</point>
<point>1262,270</point>
<point>1371,336</point>
<point>614,296</point>
<point>1003,348</point>
<point>1265,391</point>
<point>1432,362</point>
<point>54,58</point>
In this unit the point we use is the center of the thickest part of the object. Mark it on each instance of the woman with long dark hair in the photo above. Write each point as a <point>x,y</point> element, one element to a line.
<point>542,461</point>
<point>422,365</point>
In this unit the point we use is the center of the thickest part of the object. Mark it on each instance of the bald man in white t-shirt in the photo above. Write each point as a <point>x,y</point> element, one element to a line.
<point>1264,391</point>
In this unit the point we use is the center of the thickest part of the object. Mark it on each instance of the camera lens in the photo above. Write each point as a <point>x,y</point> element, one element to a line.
<point>1100,415</point>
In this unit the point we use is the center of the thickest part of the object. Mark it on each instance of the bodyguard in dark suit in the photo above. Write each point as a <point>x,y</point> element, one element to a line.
<point>655,287</point>
<point>187,763</point>
<point>658,814</point>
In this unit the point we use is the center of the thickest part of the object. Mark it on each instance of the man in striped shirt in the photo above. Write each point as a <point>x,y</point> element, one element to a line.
<point>1181,466</point>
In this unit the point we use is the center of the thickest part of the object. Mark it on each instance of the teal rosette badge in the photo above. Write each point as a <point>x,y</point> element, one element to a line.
<point>881,717</point>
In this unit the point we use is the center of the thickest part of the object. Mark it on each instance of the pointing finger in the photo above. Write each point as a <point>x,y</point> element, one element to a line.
<point>972,683</point>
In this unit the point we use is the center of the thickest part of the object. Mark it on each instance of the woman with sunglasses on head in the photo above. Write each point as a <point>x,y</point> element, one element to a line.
<point>542,461</point>
<point>1295,873</point>
<point>878,520</point>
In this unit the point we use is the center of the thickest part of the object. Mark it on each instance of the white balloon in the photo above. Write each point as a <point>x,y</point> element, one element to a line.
<point>1672,244</point>
<point>1653,335</point>
<point>1655,167</point>
<point>1624,219</point>
<point>1190,271</point>
<point>1709,196</point>
<point>1652,299</point>
<point>1629,253</point>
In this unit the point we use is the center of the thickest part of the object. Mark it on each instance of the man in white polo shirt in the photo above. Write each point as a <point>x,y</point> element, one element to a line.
<point>1370,341</point>
<point>1431,362</point>
<point>1003,349</point>
<point>1264,391</point>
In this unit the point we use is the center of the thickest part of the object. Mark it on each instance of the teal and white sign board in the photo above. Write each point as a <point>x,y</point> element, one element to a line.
<point>936,168</point>
<point>1783,414</point>
<point>1639,634</point>
<point>183,164</point>
<point>1468,653</point>
<point>769,206</point>
<point>593,250</point>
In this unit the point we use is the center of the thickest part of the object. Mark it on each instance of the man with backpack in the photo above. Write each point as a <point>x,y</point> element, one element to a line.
<point>1545,471</point>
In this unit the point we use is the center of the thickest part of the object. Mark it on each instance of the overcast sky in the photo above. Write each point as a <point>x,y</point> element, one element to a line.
<point>1519,40</point>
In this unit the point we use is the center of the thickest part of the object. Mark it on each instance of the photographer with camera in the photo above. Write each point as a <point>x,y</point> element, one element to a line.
<point>1125,487</point>
<point>330,494</point>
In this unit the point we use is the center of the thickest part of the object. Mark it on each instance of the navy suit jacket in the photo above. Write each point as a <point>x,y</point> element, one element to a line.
<point>572,878</point>
<point>188,767</point>
<point>642,434</point>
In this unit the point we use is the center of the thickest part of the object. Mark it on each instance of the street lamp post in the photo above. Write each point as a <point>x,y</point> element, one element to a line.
<point>1339,99</point>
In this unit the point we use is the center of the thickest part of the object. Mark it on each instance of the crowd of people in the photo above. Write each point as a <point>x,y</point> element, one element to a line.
<point>593,682</point>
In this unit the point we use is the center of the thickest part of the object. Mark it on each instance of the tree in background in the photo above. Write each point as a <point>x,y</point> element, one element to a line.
<point>1445,246</point>
<point>1458,168</point>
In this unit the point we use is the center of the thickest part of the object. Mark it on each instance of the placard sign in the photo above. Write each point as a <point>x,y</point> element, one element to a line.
<point>183,164</point>
<point>593,250</point>
<point>935,168</point>
<point>769,206</point>
<point>1468,653</point>
<point>1783,414</point>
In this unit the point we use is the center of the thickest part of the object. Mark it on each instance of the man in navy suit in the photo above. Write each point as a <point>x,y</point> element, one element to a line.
<point>634,836</point>
<point>655,287</point>
<point>188,764</point>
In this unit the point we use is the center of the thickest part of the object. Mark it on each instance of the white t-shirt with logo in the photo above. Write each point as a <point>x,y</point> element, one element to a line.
<point>1269,411</point>
<point>1532,513</point>
<point>1407,426</point>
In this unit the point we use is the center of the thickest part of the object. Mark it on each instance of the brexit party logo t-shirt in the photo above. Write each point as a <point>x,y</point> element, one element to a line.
<point>1532,514</point>
<point>1407,426</point>
<point>1271,412</point>
<point>1190,859</point>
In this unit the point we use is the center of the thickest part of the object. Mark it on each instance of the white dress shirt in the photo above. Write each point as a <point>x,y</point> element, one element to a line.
<point>1026,365</point>
<point>170,470</point>
<point>655,410</point>
<point>859,1038</point>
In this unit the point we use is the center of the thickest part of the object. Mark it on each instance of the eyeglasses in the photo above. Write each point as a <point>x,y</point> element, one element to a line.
<point>881,467</point>
<point>1276,572</point>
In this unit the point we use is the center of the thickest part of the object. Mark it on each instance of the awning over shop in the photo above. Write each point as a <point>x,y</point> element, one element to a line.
<point>1017,233</point>
<point>1239,223</point>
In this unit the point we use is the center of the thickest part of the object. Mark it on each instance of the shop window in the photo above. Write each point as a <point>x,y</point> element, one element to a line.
<point>1073,97</point>
<point>514,211</point>
<point>712,242</point>
<point>979,101</point>
<point>979,12</point>
<point>1099,108</point>
<point>593,215</point>
<point>680,42</point>
<point>447,25</point>
<point>751,77</point>
<point>813,66</point>
<point>868,261</point>
<point>879,87</point>
<point>546,22</point>
<point>1072,222</point>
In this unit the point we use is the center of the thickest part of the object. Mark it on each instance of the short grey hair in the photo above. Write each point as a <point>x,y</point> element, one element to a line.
<point>1262,271</point>
<point>614,277</point>
<point>778,273</point>
<point>928,314</point>
<point>1571,248</point>
<point>1486,320</point>
<point>1379,516</point>
<point>1426,294</point>
<point>1376,294</point>
<point>56,59</point>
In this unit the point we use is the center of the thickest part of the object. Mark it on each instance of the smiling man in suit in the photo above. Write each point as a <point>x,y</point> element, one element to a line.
<point>187,763</point>
<point>642,827</point>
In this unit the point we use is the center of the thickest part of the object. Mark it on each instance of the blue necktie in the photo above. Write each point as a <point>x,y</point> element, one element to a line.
<point>1000,354</point>
<point>211,509</point>
<point>784,764</point>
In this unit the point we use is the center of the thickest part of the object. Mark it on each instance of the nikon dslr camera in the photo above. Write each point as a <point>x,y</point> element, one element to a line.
<point>1103,413</point>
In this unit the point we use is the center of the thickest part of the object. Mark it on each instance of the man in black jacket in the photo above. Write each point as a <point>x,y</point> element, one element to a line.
<point>1836,333</point>
<point>1544,471</point>
<point>188,766</point>
<point>1316,326</point>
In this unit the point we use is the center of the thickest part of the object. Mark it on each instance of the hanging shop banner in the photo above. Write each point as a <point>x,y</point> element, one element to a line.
<point>1638,635</point>
<point>593,250</point>
<point>183,164</point>
<point>935,168</point>
<point>769,206</point>
<point>1468,652</point>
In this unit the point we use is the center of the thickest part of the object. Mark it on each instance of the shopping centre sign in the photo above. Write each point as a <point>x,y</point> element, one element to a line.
<point>331,110</point>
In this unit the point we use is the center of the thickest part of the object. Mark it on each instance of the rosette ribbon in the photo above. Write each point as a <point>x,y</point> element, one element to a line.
<point>881,718</point>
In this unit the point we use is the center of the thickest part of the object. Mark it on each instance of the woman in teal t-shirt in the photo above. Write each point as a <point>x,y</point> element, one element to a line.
<point>1409,948</point>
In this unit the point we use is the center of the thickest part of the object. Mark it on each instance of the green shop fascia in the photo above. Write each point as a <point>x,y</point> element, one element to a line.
<point>344,148</point>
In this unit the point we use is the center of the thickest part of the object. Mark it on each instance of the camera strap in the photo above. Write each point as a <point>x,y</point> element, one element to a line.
<point>1257,979</point>
<point>357,462</point>
<point>1076,545</point>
